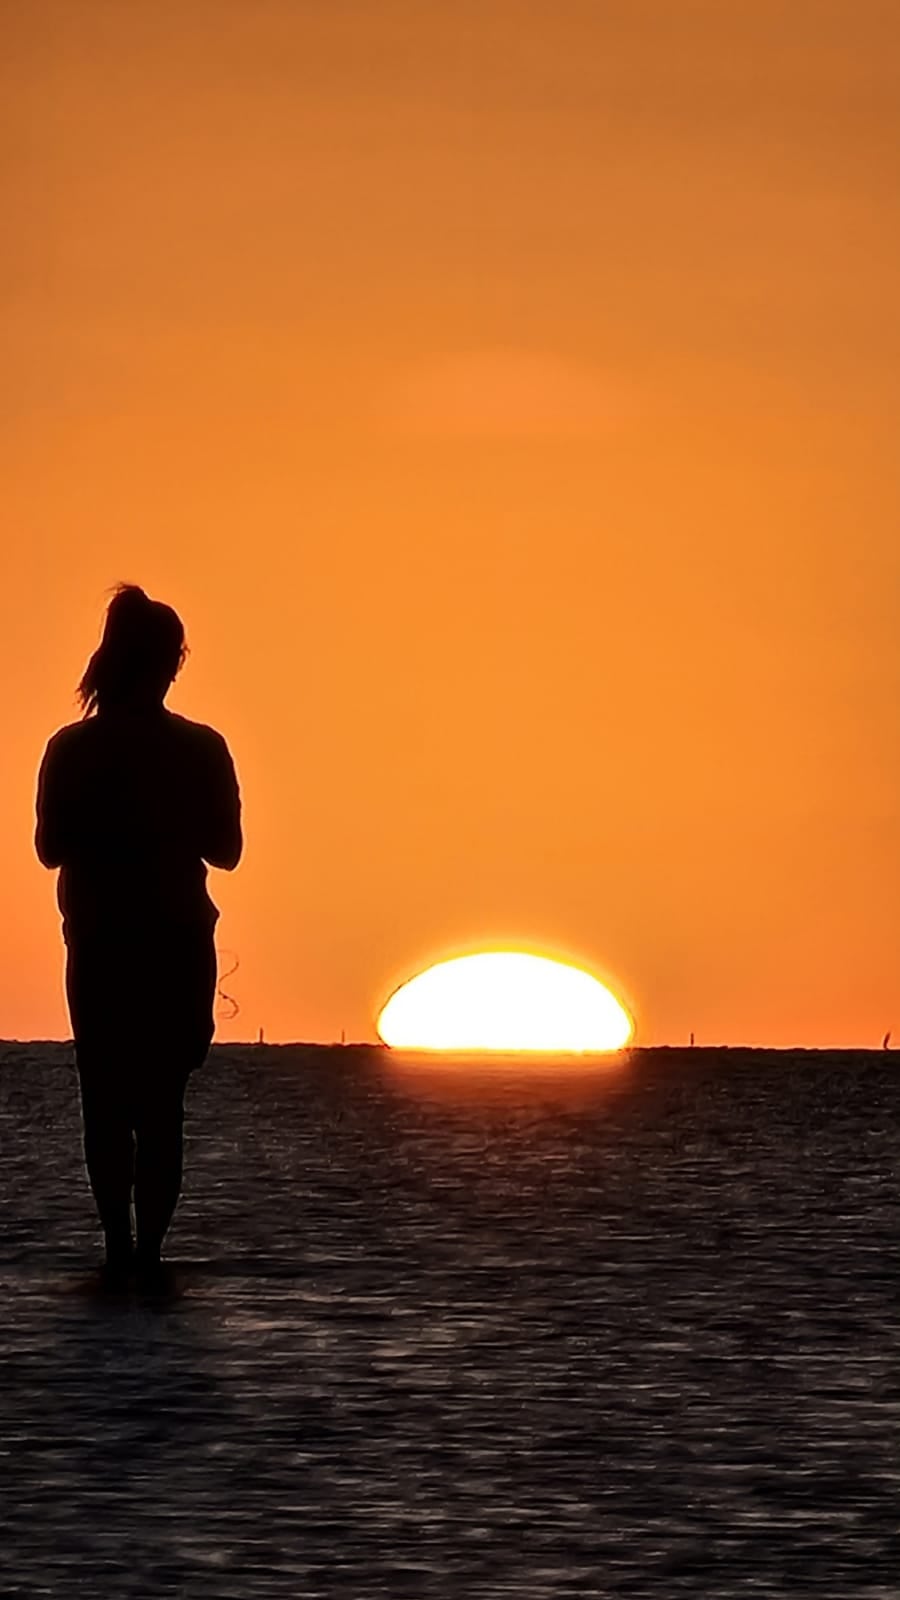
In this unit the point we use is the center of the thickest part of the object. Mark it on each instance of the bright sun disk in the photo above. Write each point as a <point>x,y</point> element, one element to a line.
<point>504,1000</point>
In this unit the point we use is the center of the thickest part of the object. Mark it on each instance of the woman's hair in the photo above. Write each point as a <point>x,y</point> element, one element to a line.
<point>140,653</point>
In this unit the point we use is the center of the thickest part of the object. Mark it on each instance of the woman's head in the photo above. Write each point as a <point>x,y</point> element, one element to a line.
<point>139,655</point>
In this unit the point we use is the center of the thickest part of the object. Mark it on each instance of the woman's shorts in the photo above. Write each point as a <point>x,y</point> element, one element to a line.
<point>147,995</point>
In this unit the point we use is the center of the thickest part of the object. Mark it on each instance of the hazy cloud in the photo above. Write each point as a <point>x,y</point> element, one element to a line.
<point>504,392</point>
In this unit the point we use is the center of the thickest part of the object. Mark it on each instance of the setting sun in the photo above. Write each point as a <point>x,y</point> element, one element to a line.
<point>504,1000</point>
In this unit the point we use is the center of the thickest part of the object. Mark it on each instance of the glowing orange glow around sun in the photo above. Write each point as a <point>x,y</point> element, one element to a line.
<point>504,1000</point>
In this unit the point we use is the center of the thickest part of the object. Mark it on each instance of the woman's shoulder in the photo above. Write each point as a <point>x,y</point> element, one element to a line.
<point>197,734</point>
<point>71,737</point>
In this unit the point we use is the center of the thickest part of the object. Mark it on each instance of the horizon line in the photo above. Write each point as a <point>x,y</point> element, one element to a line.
<point>378,1044</point>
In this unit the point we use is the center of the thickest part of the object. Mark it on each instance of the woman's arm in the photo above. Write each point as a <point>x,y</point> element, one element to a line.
<point>50,838</point>
<point>222,841</point>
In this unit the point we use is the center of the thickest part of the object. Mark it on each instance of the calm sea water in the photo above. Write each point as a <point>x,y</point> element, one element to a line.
<point>627,1329</point>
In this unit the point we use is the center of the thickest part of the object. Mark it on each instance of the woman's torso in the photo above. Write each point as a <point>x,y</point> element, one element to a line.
<point>135,788</point>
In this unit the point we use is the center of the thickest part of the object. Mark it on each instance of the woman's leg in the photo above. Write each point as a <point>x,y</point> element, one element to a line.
<point>108,1153</point>
<point>184,1026</point>
<point>100,1046</point>
<point>160,1050</point>
<point>159,1126</point>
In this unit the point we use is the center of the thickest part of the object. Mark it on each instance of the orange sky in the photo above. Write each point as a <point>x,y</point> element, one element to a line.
<point>506,395</point>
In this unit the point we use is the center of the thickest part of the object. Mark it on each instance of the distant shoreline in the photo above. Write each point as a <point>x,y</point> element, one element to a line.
<point>367,1047</point>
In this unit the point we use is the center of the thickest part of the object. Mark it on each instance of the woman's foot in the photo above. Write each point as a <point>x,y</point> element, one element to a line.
<point>115,1274</point>
<point>115,1277</point>
<point>155,1278</point>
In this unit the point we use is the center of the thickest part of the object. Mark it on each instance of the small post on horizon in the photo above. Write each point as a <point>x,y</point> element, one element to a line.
<point>343,1036</point>
<point>692,1038</point>
<point>261,1039</point>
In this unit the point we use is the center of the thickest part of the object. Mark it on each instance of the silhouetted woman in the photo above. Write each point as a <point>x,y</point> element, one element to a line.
<point>132,802</point>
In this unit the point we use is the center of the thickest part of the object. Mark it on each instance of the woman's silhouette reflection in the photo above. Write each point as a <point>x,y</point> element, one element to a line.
<point>132,802</point>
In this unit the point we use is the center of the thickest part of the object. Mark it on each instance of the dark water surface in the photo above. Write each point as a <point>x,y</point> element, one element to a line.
<point>628,1329</point>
